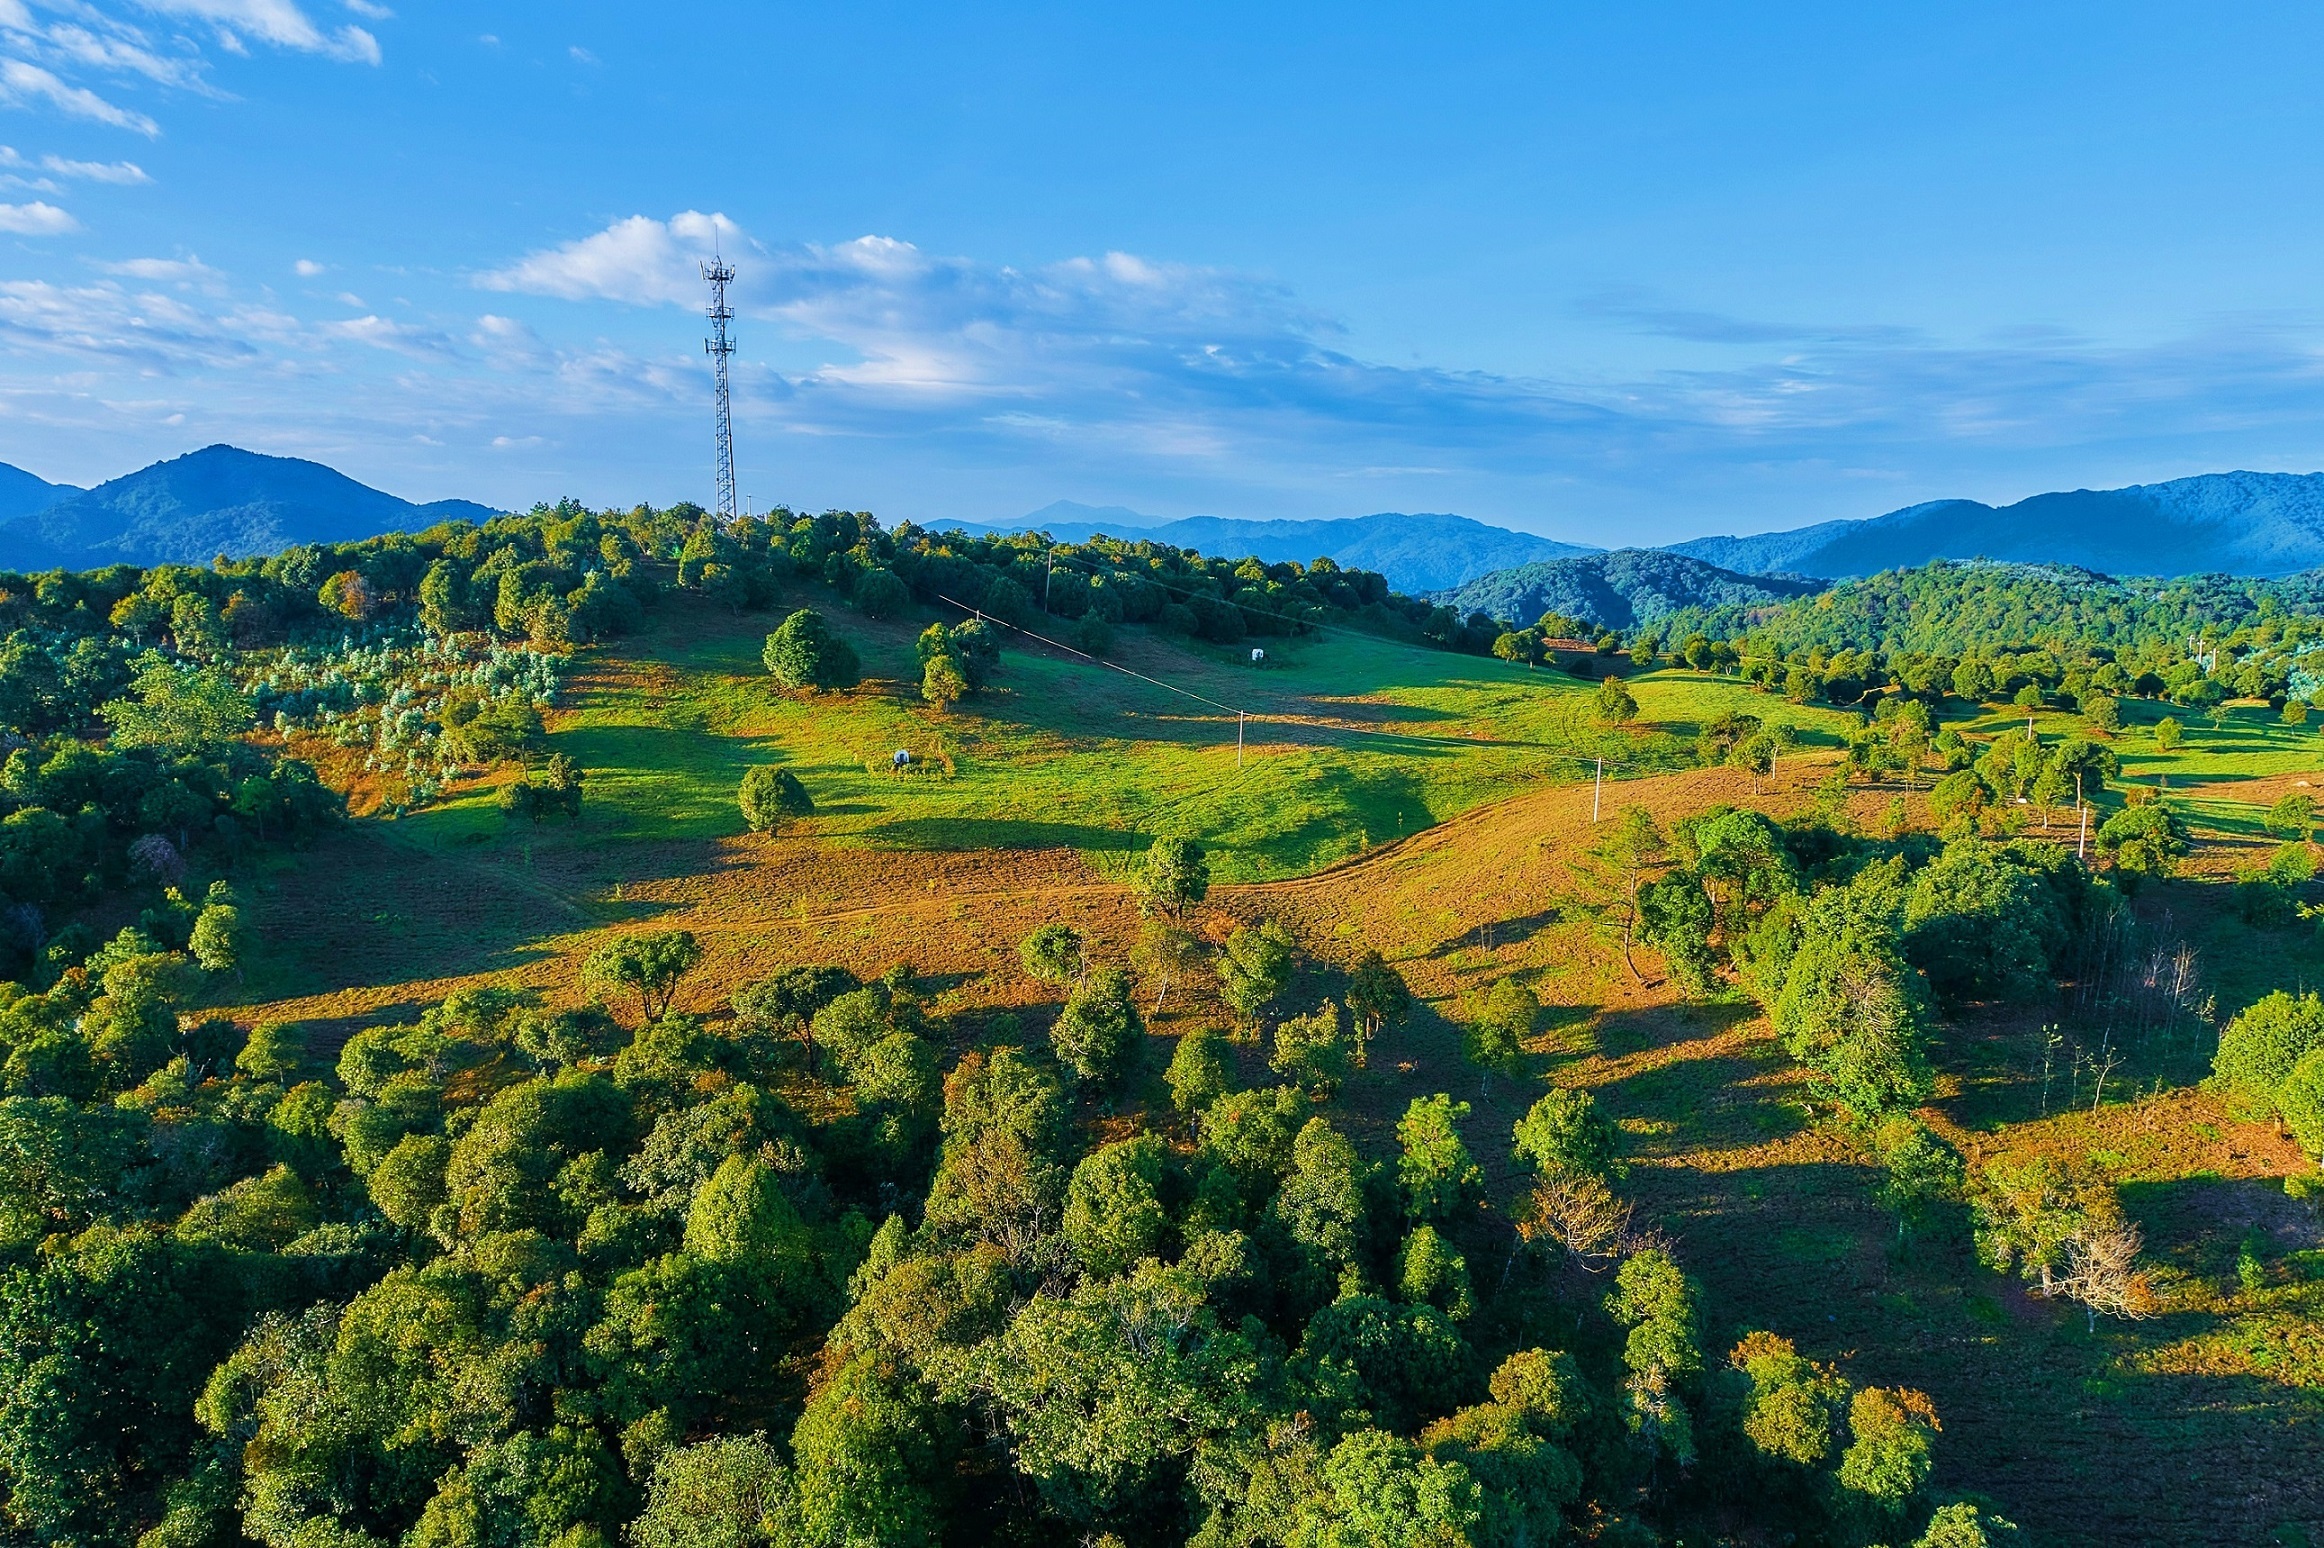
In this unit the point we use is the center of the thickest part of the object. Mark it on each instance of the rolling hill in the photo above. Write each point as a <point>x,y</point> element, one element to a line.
<point>219,500</point>
<point>1419,552</point>
<point>2257,524</point>
<point>1621,590</point>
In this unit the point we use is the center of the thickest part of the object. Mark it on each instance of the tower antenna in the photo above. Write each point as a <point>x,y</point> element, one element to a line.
<point>718,346</point>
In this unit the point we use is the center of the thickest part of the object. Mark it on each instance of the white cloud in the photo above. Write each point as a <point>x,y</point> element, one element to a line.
<point>36,219</point>
<point>642,261</point>
<point>306,268</point>
<point>273,21</point>
<point>123,172</point>
<point>184,271</point>
<point>369,11</point>
<point>386,333</point>
<point>24,85</point>
<point>581,55</point>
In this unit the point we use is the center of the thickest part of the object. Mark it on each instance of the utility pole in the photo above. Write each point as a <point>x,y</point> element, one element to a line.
<point>718,346</point>
<point>2082,843</point>
<point>1597,790</point>
<point>1240,717</point>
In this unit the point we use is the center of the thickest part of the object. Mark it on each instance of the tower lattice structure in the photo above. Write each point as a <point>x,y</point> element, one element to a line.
<point>718,346</point>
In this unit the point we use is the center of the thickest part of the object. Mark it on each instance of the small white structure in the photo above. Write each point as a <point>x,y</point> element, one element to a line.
<point>1257,655</point>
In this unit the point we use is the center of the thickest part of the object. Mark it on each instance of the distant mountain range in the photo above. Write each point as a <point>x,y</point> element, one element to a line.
<point>2263,524</point>
<point>1620,590</point>
<point>1417,552</point>
<point>219,500</point>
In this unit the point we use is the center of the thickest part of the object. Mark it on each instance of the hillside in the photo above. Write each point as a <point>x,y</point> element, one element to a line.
<point>1947,607</point>
<point>1419,552</point>
<point>22,493</point>
<point>2265,524</point>
<point>1623,589</point>
<point>219,500</point>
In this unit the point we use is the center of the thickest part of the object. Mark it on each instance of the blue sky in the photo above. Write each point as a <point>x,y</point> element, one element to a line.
<point>1618,274</point>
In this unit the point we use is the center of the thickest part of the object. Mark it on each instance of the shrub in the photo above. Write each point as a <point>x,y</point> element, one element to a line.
<point>770,795</point>
<point>803,653</point>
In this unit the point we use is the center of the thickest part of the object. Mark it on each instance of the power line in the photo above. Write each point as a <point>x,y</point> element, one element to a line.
<point>1313,723</point>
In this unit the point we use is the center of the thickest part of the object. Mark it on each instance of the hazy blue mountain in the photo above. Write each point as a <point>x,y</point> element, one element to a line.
<point>1424,551</point>
<point>22,493</point>
<point>219,500</point>
<point>2261,524</point>
<point>1622,589</point>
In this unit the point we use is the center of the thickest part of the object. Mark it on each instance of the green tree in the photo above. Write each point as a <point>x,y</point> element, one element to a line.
<point>2169,734</point>
<point>1312,1050</point>
<point>1198,1070</point>
<point>1501,1022</point>
<point>1113,1205</point>
<point>1888,1458</point>
<point>649,965</point>
<point>1851,1008</point>
<point>1657,1302</point>
<point>2261,1046</point>
<point>179,709</point>
<point>772,795</point>
<point>729,1491</point>
<point>2144,840</point>
<point>1565,1131</point>
<point>1434,1170</point>
<point>1322,1200</point>
<point>1615,704</point>
<point>1255,968</point>
<point>803,653</point>
<point>2293,816</point>
<point>1379,1492</point>
<point>1918,1172</point>
<point>943,682</point>
<point>1054,954</point>
<point>1171,877</point>
<point>1099,1028</point>
<point>218,940</point>
<point>1377,995</point>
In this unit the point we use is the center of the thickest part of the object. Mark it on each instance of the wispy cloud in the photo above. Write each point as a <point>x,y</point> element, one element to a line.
<point>182,271</point>
<point>25,85</point>
<point>278,22</point>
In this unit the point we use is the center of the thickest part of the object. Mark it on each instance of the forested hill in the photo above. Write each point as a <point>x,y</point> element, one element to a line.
<point>219,500</point>
<point>1418,552</point>
<point>1626,589</point>
<point>2269,524</point>
<point>22,493</point>
<point>1948,607</point>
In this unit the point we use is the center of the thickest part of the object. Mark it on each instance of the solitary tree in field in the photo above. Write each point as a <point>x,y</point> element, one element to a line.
<point>770,795</point>
<point>804,653</point>
<point>649,966</point>
<point>1616,705</point>
<point>1054,954</point>
<point>2169,734</point>
<point>1172,877</point>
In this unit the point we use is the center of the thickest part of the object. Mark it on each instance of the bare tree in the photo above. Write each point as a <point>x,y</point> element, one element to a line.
<point>2102,1271</point>
<point>1579,1213</point>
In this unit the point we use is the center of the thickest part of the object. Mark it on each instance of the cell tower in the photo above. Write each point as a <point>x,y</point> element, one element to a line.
<point>718,272</point>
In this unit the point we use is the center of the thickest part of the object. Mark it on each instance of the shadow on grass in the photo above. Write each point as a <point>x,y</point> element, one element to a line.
<point>972,833</point>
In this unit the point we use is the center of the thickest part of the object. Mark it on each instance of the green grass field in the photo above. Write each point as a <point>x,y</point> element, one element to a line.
<point>1354,742</point>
